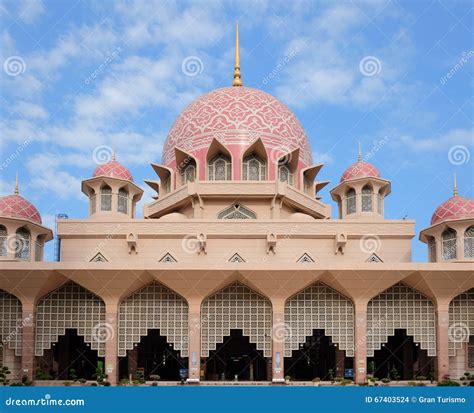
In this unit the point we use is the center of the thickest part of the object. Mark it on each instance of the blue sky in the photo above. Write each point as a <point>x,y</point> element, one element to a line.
<point>395,75</point>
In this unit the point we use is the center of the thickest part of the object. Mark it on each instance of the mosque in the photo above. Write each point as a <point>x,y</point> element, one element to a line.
<point>237,271</point>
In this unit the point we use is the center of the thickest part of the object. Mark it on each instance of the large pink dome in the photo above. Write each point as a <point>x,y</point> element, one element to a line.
<point>113,169</point>
<point>456,207</point>
<point>360,169</point>
<point>15,206</point>
<point>236,116</point>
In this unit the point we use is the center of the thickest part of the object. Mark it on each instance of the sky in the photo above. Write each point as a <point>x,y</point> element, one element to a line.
<point>79,77</point>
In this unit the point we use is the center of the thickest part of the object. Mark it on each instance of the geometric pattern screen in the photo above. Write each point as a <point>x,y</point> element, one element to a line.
<point>401,307</point>
<point>153,307</point>
<point>319,307</point>
<point>70,307</point>
<point>461,320</point>
<point>236,307</point>
<point>10,322</point>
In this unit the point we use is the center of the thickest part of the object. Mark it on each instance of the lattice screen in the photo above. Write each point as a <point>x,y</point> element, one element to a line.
<point>70,306</point>
<point>153,307</point>
<point>236,307</point>
<point>10,321</point>
<point>401,307</point>
<point>319,307</point>
<point>461,320</point>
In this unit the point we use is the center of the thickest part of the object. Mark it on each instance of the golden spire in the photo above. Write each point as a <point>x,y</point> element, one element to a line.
<point>17,190</point>
<point>455,187</point>
<point>237,79</point>
<point>113,152</point>
<point>359,157</point>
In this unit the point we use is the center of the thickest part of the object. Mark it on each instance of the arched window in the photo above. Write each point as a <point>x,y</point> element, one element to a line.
<point>449,244</point>
<point>22,244</point>
<point>122,201</point>
<point>92,201</point>
<point>367,199</point>
<point>351,201</point>
<point>469,242</point>
<point>432,249</point>
<point>285,175</point>
<point>106,198</point>
<point>220,168</point>
<point>188,174</point>
<point>3,241</point>
<point>254,168</point>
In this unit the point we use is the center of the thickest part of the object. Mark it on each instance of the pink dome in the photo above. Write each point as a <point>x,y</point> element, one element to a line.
<point>15,206</point>
<point>456,207</point>
<point>236,116</point>
<point>360,170</point>
<point>113,169</point>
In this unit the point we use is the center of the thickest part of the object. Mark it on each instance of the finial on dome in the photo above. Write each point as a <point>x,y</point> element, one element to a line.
<point>237,79</point>
<point>359,157</point>
<point>17,189</point>
<point>455,187</point>
<point>113,152</point>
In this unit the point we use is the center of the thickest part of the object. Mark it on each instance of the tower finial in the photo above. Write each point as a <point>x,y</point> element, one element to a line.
<point>113,152</point>
<point>359,157</point>
<point>455,187</point>
<point>17,189</point>
<point>237,79</point>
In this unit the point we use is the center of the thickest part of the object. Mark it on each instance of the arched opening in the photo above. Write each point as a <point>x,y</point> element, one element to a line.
<point>3,241</point>
<point>22,244</point>
<point>153,358</point>
<point>236,334</point>
<point>254,168</point>
<point>122,204</point>
<point>449,244</point>
<point>367,204</point>
<point>236,358</point>
<point>69,358</point>
<point>106,198</point>
<point>188,174</point>
<point>285,174</point>
<point>400,358</point>
<point>350,201</point>
<point>469,242</point>
<point>220,168</point>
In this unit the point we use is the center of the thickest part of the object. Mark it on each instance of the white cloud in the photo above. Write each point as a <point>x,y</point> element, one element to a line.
<point>322,157</point>
<point>440,143</point>
<point>30,10</point>
<point>30,110</point>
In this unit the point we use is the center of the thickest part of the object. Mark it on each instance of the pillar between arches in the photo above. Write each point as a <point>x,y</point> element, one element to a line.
<point>109,333</point>
<point>360,341</point>
<point>28,341</point>
<point>194,341</point>
<point>279,334</point>
<point>442,340</point>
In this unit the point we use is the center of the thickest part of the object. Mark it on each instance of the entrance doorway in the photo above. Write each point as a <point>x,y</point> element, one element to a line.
<point>236,359</point>
<point>400,357</point>
<point>317,357</point>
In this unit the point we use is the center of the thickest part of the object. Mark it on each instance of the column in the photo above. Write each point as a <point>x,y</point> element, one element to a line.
<point>28,341</point>
<point>132,362</point>
<point>110,335</point>
<point>442,340</point>
<point>194,341</point>
<point>279,332</point>
<point>340,358</point>
<point>360,342</point>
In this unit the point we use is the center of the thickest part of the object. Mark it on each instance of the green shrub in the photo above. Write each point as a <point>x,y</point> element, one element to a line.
<point>448,382</point>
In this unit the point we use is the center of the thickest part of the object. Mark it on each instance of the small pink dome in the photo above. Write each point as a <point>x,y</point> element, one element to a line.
<point>456,207</point>
<point>360,169</point>
<point>113,169</point>
<point>15,206</point>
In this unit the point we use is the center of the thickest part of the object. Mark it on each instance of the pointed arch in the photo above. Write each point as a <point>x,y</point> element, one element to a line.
<point>70,306</point>
<point>237,211</point>
<point>461,320</point>
<point>152,307</point>
<point>236,307</point>
<point>319,306</point>
<point>11,331</point>
<point>219,162</point>
<point>255,162</point>
<point>401,307</point>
